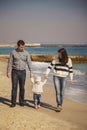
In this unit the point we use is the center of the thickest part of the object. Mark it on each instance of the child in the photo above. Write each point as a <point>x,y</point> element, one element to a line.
<point>37,90</point>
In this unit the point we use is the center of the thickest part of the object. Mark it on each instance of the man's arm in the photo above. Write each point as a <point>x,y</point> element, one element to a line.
<point>29,63</point>
<point>9,66</point>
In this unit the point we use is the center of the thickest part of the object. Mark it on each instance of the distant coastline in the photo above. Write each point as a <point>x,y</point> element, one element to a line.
<point>45,45</point>
<point>49,58</point>
<point>14,44</point>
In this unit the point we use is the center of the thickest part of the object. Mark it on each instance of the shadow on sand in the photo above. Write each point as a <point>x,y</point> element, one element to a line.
<point>5,101</point>
<point>28,103</point>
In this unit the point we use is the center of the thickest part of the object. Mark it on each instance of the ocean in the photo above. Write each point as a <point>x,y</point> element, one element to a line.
<point>78,91</point>
<point>77,51</point>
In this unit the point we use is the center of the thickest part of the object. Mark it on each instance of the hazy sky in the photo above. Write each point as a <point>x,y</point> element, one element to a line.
<point>56,21</point>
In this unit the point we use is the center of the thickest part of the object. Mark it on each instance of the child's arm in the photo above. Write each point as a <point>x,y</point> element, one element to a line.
<point>44,81</point>
<point>32,79</point>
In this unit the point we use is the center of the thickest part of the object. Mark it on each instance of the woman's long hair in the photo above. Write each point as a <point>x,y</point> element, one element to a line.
<point>64,56</point>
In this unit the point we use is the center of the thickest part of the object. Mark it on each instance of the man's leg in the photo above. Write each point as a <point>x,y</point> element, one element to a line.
<point>14,87</point>
<point>22,78</point>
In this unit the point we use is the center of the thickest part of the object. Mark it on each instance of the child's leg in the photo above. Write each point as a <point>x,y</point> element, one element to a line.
<point>35,98</point>
<point>39,100</point>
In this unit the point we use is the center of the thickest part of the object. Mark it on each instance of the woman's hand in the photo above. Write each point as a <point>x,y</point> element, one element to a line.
<point>46,76</point>
<point>70,82</point>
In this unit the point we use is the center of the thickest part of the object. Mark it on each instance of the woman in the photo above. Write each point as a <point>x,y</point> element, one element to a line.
<point>62,67</point>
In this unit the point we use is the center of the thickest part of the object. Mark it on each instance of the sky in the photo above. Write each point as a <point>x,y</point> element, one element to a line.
<point>43,21</point>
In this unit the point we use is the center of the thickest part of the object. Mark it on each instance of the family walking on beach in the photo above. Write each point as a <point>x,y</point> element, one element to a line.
<point>16,69</point>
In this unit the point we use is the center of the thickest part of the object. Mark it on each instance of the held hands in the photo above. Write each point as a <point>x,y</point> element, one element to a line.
<point>46,76</point>
<point>31,75</point>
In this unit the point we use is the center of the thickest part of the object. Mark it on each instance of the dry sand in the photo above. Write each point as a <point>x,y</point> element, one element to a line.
<point>72,117</point>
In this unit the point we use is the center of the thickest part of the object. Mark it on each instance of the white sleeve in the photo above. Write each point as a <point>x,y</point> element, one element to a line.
<point>47,71</point>
<point>32,80</point>
<point>70,69</point>
<point>71,76</point>
<point>50,67</point>
<point>44,81</point>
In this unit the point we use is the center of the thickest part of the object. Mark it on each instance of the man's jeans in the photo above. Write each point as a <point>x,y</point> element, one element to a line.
<point>59,84</point>
<point>18,77</point>
<point>37,99</point>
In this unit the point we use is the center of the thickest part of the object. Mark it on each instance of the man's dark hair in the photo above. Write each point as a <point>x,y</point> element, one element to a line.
<point>20,42</point>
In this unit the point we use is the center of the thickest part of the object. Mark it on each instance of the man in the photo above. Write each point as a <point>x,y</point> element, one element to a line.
<point>16,69</point>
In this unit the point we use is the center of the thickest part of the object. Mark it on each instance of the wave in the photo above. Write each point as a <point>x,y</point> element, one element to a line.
<point>42,66</point>
<point>76,94</point>
<point>79,72</point>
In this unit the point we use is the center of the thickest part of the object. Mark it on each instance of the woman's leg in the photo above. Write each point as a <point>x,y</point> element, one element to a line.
<point>59,83</point>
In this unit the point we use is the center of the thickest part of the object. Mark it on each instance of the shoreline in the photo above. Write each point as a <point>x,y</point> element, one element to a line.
<point>72,117</point>
<point>49,58</point>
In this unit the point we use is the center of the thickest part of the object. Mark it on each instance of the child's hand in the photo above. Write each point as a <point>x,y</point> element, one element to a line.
<point>31,75</point>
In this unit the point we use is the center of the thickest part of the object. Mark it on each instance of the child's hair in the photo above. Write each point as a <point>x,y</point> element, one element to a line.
<point>37,78</point>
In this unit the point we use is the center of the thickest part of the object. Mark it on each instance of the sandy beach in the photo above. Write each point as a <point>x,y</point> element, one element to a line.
<point>72,117</point>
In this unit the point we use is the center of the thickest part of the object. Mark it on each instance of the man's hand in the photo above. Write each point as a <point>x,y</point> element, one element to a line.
<point>9,75</point>
<point>31,75</point>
